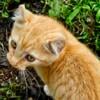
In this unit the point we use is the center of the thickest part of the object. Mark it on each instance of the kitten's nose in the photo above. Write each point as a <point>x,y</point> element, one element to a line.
<point>12,60</point>
<point>15,62</point>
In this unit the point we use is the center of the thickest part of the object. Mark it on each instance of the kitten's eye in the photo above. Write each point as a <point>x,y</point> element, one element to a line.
<point>29,58</point>
<point>13,44</point>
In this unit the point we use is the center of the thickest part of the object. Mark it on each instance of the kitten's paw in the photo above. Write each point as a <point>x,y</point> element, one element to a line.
<point>46,90</point>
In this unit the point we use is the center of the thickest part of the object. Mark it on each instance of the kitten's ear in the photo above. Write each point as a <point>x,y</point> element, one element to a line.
<point>55,46</point>
<point>21,14</point>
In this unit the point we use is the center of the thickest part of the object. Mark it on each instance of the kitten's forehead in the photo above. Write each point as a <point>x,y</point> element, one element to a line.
<point>33,33</point>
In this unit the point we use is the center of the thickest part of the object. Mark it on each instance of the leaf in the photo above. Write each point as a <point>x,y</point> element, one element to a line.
<point>3,89</point>
<point>87,7</point>
<point>97,43</point>
<point>52,13</point>
<point>84,36</point>
<point>55,8</point>
<point>18,1</point>
<point>64,11</point>
<point>96,6</point>
<point>73,14</point>
<point>98,16</point>
<point>5,15</point>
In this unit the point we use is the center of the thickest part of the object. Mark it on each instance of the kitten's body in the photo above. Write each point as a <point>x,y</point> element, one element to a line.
<point>69,69</point>
<point>74,76</point>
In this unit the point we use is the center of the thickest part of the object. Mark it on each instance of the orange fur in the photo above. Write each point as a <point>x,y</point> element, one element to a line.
<point>69,69</point>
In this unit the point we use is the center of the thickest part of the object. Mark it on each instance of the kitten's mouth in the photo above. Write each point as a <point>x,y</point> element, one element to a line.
<point>22,68</point>
<point>19,67</point>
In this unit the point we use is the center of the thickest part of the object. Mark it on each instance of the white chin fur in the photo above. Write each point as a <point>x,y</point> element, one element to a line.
<point>46,90</point>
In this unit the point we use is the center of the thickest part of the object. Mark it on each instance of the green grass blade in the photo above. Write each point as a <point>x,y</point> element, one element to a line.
<point>73,14</point>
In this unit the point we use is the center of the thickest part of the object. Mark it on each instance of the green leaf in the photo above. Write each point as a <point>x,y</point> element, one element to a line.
<point>5,15</point>
<point>73,14</point>
<point>4,89</point>
<point>64,11</point>
<point>97,43</point>
<point>87,7</point>
<point>98,16</point>
<point>84,36</point>
<point>18,1</point>
<point>96,6</point>
<point>52,13</point>
<point>55,8</point>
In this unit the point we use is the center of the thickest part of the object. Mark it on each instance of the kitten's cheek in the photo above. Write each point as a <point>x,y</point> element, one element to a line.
<point>8,57</point>
<point>20,67</point>
<point>39,63</point>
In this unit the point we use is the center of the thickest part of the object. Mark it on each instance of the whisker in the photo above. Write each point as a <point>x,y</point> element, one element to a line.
<point>30,74</point>
<point>23,78</point>
<point>26,86</point>
<point>20,75</point>
<point>28,78</point>
<point>32,77</point>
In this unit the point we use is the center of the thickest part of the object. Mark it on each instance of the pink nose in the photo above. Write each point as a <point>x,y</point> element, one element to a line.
<point>12,60</point>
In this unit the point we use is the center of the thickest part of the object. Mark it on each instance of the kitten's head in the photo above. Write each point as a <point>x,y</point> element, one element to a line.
<point>35,40</point>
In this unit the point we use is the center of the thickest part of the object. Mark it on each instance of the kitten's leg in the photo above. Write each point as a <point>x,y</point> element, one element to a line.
<point>46,90</point>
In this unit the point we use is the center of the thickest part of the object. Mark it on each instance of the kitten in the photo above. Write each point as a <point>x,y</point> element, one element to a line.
<point>69,69</point>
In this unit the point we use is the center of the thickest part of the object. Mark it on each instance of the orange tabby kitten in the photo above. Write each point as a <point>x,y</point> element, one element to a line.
<point>69,69</point>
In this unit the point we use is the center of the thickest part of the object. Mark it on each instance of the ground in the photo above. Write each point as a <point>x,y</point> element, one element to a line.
<point>81,17</point>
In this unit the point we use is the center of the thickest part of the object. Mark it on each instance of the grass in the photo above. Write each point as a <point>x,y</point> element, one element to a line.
<point>81,17</point>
